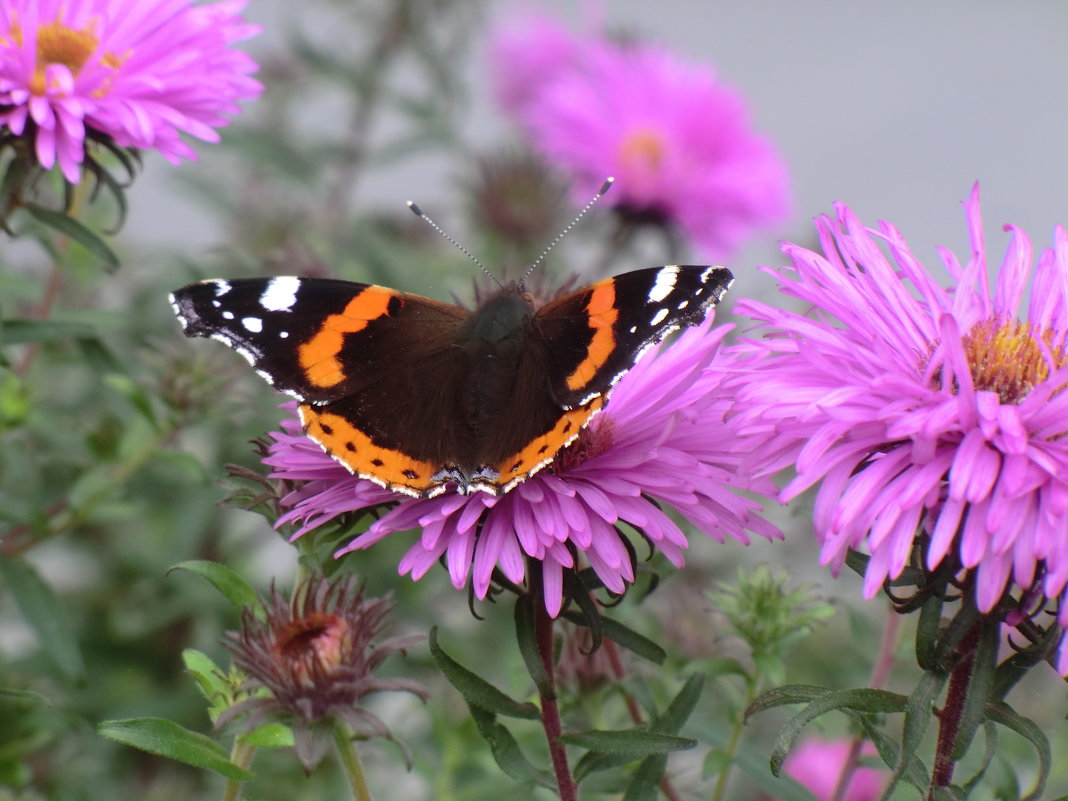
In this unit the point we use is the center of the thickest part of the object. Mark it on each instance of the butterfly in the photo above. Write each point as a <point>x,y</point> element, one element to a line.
<point>423,397</point>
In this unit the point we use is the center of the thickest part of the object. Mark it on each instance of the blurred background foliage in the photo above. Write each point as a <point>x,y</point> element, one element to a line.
<point>114,431</point>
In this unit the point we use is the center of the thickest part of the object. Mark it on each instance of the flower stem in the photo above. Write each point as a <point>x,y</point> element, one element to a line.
<point>752,685</point>
<point>950,716</point>
<point>241,755</point>
<point>879,673</point>
<point>550,711</point>
<point>350,761</point>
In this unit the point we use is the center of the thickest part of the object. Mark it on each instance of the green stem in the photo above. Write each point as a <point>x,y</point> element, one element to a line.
<point>350,761</point>
<point>241,755</point>
<point>752,686</point>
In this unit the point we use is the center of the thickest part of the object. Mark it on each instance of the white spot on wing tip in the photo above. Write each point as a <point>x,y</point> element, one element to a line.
<point>280,294</point>
<point>253,324</point>
<point>666,277</point>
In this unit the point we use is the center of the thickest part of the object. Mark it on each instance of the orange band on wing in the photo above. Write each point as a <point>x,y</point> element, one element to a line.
<point>602,315</point>
<point>355,450</point>
<point>545,448</point>
<point>319,355</point>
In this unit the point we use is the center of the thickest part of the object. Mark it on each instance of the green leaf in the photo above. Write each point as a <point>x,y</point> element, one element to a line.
<point>15,331</point>
<point>787,694</point>
<point>991,732</point>
<point>859,700</point>
<point>631,743</point>
<point>43,612</point>
<point>917,719</point>
<point>476,690</point>
<point>681,707</point>
<point>927,629</point>
<point>269,735</point>
<point>70,227</point>
<point>505,750</point>
<point>230,585</point>
<point>168,739</point>
<point>527,638</point>
<point>915,772</point>
<point>134,394</point>
<point>1003,714</point>
<point>633,641</point>
<point>645,784</point>
<point>209,678</point>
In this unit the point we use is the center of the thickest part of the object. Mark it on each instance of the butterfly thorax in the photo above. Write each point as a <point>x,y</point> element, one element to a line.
<point>494,340</point>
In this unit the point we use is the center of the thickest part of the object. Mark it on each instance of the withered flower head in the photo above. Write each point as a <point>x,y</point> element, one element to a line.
<point>315,656</point>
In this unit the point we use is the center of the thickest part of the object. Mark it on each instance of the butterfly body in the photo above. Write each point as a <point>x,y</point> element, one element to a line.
<point>422,396</point>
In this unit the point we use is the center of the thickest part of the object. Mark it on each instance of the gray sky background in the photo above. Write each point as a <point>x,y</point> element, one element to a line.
<point>895,108</point>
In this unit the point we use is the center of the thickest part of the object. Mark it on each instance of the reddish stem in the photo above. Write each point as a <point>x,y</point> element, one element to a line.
<point>949,718</point>
<point>550,712</point>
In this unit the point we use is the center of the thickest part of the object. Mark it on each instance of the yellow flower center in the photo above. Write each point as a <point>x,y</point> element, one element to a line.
<point>1005,357</point>
<point>642,149</point>
<point>58,44</point>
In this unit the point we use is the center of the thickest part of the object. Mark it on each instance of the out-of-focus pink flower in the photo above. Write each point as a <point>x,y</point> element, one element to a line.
<point>931,418</point>
<point>676,139</point>
<point>817,764</point>
<point>142,72</point>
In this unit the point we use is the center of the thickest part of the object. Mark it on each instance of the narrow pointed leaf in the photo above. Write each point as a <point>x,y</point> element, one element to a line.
<point>930,621</point>
<point>633,743</point>
<point>527,639</point>
<point>229,584</point>
<point>70,227</point>
<point>681,707</point>
<point>506,751</point>
<point>634,642</point>
<point>476,690</point>
<point>864,700</point>
<point>917,719</point>
<point>787,694</point>
<point>43,612</point>
<point>645,784</point>
<point>1003,714</point>
<point>168,739</point>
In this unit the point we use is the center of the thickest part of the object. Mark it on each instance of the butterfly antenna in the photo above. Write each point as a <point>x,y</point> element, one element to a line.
<point>567,229</point>
<point>421,215</point>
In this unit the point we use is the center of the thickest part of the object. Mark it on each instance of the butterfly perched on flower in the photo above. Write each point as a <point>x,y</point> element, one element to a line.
<point>421,396</point>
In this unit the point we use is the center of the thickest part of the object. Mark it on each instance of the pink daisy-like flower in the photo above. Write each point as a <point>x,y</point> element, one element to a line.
<point>677,140</point>
<point>817,764</point>
<point>930,417</point>
<point>661,440</point>
<point>529,51</point>
<point>142,72</point>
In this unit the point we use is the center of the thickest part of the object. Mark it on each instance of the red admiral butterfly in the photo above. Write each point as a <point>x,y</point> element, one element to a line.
<point>421,396</point>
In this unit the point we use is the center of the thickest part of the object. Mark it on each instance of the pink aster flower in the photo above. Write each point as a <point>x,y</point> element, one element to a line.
<point>661,441</point>
<point>932,418</point>
<point>529,52</point>
<point>677,140</point>
<point>142,72</point>
<point>817,764</point>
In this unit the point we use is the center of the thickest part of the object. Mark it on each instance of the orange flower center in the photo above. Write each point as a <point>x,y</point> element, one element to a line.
<point>58,44</point>
<point>1006,357</point>
<point>642,149</point>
